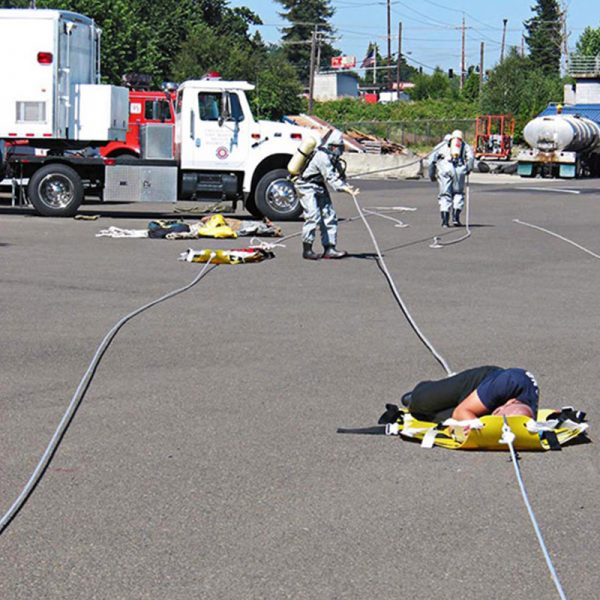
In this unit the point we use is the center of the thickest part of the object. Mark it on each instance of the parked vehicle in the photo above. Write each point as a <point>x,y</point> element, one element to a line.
<point>216,147</point>
<point>144,107</point>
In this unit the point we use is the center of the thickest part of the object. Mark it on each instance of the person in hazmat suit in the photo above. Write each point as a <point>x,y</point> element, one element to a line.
<point>450,163</point>
<point>324,167</point>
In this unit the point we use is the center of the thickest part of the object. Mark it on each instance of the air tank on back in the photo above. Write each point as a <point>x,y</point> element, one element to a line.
<point>557,133</point>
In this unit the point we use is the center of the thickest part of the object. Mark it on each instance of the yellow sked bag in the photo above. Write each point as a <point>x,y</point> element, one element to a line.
<point>549,431</point>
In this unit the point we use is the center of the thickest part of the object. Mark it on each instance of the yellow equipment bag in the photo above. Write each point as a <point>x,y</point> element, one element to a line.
<point>550,431</point>
<point>216,227</point>
<point>226,257</point>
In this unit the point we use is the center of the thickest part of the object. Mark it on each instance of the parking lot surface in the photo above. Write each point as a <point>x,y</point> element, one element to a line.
<point>204,460</point>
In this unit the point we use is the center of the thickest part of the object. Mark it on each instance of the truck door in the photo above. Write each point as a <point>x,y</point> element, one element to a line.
<point>221,131</point>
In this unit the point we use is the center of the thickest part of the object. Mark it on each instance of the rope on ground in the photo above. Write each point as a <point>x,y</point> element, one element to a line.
<point>398,222</point>
<point>401,303</point>
<point>437,243</point>
<point>508,438</point>
<point>556,235</point>
<point>77,399</point>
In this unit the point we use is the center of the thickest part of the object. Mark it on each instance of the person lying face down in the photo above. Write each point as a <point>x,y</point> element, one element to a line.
<point>486,390</point>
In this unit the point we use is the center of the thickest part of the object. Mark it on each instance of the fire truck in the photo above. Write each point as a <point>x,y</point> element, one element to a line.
<point>208,146</point>
<point>144,107</point>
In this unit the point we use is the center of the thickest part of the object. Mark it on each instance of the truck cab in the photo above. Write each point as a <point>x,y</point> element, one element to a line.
<point>221,147</point>
<point>144,107</point>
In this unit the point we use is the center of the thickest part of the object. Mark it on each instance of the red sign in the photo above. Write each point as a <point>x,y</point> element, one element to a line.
<point>343,62</point>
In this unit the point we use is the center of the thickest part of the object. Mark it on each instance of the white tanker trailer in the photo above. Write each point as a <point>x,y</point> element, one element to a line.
<point>562,145</point>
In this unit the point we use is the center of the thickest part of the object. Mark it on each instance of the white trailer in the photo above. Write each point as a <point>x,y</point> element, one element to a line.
<point>50,77</point>
<point>221,150</point>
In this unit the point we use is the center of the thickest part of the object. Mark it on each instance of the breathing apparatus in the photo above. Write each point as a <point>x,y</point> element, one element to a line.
<point>301,157</point>
<point>456,146</point>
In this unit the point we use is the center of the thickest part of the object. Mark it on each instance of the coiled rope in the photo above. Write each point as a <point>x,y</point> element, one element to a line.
<point>556,235</point>
<point>437,243</point>
<point>78,396</point>
<point>401,303</point>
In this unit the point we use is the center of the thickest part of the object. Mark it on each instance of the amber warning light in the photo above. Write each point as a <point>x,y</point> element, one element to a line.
<point>44,58</point>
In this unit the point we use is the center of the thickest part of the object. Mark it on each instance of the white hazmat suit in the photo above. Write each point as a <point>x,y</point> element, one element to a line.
<point>450,162</point>
<point>323,168</point>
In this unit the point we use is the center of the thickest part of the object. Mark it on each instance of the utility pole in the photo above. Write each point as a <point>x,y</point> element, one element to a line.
<point>462,55</point>
<point>311,76</point>
<point>504,22</point>
<point>522,46</point>
<point>565,36</point>
<point>389,46</point>
<point>481,49</point>
<point>399,60</point>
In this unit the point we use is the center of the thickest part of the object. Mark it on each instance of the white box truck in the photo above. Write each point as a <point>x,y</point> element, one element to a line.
<point>50,77</point>
<point>217,149</point>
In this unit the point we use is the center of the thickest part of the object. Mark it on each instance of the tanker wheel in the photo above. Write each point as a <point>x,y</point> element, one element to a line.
<point>55,190</point>
<point>276,197</point>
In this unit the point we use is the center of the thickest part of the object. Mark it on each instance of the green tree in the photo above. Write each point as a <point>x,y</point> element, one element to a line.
<point>544,36</point>
<point>306,17</point>
<point>516,87</point>
<point>470,89</point>
<point>588,43</point>
<point>433,87</point>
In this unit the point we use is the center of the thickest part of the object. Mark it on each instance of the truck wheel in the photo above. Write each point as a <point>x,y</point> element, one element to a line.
<point>55,191</point>
<point>276,197</point>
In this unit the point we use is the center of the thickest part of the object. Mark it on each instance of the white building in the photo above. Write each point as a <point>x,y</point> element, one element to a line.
<point>330,86</point>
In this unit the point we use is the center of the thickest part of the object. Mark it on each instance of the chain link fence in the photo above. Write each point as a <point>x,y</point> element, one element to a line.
<point>422,132</point>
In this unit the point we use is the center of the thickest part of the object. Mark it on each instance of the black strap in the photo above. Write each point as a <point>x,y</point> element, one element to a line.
<point>376,430</point>
<point>392,414</point>
<point>552,439</point>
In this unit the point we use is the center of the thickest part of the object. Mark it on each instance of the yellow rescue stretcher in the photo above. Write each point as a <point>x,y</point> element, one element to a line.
<point>235,256</point>
<point>549,431</point>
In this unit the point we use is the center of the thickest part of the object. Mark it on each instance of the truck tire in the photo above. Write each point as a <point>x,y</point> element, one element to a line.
<point>276,198</point>
<point>55,190</point>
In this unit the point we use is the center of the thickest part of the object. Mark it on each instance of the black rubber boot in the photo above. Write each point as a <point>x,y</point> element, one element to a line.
<point>331,252</point>
<point>456,218</point>
<point>307,252</point>
<point>445,218</point>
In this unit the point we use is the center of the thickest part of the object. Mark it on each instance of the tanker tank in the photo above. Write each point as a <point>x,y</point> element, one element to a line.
<point>557,133</point>
<point>560,145</point>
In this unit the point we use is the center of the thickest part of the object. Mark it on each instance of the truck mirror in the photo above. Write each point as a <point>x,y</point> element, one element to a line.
<point>225,108</point>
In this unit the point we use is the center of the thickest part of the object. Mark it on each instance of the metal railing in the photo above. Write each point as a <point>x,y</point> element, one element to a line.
<point>419,132</point>
<point>584,66</point>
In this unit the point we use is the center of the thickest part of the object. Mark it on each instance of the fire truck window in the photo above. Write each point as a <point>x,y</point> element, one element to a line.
<point>237,114</point>
<point>208,106</point>
<point>157,110</point>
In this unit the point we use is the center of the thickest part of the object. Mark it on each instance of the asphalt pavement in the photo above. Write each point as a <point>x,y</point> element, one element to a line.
<point>204,460</point>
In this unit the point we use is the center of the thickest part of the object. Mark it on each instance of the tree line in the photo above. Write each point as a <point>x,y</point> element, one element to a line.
<point>183,39</point>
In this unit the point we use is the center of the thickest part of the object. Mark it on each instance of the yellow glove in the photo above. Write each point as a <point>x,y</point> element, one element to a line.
<point>353,191</point>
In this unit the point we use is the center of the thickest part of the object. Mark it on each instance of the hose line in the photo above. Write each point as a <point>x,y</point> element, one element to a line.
<point>401,303</point>
<point>77,399</point>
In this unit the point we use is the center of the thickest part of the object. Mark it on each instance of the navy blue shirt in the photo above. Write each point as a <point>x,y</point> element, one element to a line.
<point>500,386</point>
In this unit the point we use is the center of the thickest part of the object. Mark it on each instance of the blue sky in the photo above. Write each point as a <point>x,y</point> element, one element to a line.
<point>431,28</point>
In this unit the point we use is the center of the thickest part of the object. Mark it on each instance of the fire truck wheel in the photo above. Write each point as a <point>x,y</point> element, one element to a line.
<point>276,197</point>
<point>55,190</point>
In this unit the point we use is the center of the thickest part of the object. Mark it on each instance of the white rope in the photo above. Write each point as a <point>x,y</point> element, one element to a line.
<point>560,237</point>
<point>508,437</point>
<point>262,245</point>
<point>403,306</point>
<point>437,243</point>
<point>77,399</point>
<point>398,222</point>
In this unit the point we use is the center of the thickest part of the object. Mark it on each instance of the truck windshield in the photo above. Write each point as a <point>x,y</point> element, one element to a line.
<point>157,110</point>
<point>208,106</point>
